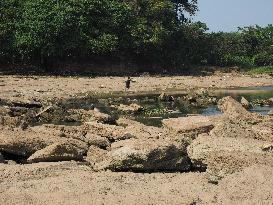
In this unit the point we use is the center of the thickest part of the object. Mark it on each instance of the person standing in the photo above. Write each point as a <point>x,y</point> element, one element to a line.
<point>127,83</point>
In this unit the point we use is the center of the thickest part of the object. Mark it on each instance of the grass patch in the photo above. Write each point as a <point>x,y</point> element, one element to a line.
<point>261,70</point>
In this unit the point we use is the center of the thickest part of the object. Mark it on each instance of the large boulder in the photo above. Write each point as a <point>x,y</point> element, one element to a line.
<point>188,128</point>
<point>57,152</point>
<point>237,128</point>
<point>234,110</point>
<point>224,163</point>
<point>223,155</point>
<point>141,155</point>
<point>196,124</point>
<point>111,132</point>
<point>125,130</point>
<point>23,143</point>
<point>141,131</point>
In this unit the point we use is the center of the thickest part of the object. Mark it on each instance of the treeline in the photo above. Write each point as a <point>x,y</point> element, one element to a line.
<point>154,33</point>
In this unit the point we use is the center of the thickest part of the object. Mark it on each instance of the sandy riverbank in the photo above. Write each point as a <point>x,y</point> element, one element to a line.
<point>35,87</point>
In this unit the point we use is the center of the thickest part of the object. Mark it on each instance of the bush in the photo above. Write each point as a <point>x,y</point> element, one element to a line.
<point>241,61</point>
<point>263,59</point>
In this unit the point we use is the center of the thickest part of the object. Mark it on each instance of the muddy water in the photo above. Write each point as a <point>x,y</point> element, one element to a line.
<point>155,110</point>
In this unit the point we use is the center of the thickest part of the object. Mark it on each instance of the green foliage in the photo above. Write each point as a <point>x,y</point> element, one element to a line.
<point>9,14</point>
<point>261,70</point>
<point>154,33</point>
<point>250,46</point>
<point>45,32</point>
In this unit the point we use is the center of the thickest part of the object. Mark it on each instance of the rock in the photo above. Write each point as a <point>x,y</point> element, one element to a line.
<point>25,143</point>
<point>134,108</point>
<point>96,140</point>
<point>141,155</point>
<point>111,132</point>
<point>116,133</point>
<point>237,128</point>
<point>17,111</point>
<point>270,113</point>
<point>96,155</point>
<point>231,107</point>
<point>57,152</point>
<point>124,122</point>
<point>193,124</point>
<point>141,131</point>
<point>102,117</point>
<point>1,158</point>
<point>270,101</point>
<point>202,92</point>
<point>27,104</point>
<point>198,98</point>
<point>165,98</point>
<point>222,155</point>
<point>245,103</point>
<point>263,102</point>
<point>81,115</point>
<point>51,114</point>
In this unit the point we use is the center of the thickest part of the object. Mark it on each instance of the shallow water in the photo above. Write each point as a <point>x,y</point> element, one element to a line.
<point>157,111</point>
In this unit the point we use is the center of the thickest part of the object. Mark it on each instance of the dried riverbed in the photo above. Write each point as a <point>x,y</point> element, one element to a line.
<point>83,141</point>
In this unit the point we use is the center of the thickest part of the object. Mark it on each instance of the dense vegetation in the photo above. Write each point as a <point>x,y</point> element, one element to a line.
<point>153,33</point>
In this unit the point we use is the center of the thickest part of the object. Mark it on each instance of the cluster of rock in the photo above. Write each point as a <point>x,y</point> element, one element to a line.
<point>196,98</point>
<point>27,113</point>
<point>238,140</point>
<point>199,98</point>
<point>263,102</point>
<point>221,144</point>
